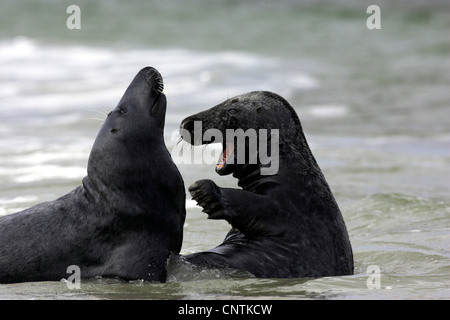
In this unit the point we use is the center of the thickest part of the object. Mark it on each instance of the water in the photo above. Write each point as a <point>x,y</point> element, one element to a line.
<point>374,106</point>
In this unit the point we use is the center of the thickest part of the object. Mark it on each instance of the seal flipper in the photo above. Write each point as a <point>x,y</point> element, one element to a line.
<point>244,210</point>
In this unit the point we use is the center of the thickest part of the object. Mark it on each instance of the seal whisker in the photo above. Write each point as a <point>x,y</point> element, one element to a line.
<point>171,101</point>
<point>96,119</point>
<point>102,112</point>
<point>178,138</point>
<point>184,144</point>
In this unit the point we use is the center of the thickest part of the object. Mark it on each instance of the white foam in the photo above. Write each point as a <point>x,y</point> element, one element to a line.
<point>43,172</point>
<point>21,199</point>
<point>328,110</point>
<point>50,77</point>
<point>191,204</point>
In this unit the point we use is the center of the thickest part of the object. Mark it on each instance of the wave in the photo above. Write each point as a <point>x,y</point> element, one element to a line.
<point>45,78</point>
<point>403,234</point>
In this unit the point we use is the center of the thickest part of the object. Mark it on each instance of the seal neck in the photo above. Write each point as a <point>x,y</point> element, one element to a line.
<point>128,183</point>
<point>250,178</point>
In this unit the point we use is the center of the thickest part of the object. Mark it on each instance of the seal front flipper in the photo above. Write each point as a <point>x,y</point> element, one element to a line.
<point>250,213</point>
<point>207,195</point>
<point>244,210</point>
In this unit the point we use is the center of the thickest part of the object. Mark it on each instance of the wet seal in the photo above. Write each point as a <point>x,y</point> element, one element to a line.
<point>284,224</point>
<point>126,218</point>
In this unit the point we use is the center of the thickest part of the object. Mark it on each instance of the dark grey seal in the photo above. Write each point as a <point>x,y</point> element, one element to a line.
<point>127,216</point>
<point>284,224</point>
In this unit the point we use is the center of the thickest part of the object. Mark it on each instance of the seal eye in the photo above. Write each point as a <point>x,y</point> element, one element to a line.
<point>233,111</point>
<point>122,110</point>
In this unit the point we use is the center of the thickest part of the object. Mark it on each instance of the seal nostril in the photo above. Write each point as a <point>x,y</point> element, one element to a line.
<point>153,78</point>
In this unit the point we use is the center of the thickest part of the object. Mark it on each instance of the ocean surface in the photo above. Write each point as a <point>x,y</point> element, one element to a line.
<point>374,105</point>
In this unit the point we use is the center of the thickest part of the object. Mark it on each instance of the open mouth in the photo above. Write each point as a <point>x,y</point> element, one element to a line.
<point>227,154</point>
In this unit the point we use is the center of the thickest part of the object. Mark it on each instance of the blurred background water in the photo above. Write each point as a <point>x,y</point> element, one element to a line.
<point>374,105</point>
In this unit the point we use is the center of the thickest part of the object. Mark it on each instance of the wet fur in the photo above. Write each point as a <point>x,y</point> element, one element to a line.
<point>284,225</point>
<point>127,216</point>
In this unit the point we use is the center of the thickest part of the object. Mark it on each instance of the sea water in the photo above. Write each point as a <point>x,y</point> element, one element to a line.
<point>374,105</point>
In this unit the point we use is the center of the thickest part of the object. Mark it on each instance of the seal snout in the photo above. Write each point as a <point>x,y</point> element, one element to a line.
<point>187,130</point>
<point>153,78</point>
<point>191,131</point>
<point>149,80</point>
